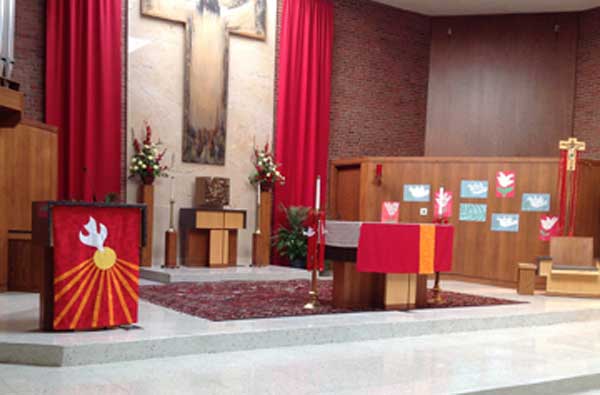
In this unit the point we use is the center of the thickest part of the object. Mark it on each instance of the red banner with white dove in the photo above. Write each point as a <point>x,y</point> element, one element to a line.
<point>96,266</point>
<point>315,249</point>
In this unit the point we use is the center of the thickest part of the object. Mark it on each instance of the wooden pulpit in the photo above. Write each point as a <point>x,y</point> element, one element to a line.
<point>89,256</point>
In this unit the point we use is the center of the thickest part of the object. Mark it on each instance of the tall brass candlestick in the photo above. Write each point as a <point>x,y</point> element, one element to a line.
<point>171,234</point>
<point>313,294</point>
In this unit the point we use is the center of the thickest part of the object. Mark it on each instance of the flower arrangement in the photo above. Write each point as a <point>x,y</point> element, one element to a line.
<point>266,171</point>
<point>146,159</point>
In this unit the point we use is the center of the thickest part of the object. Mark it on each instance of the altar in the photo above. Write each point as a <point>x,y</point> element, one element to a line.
<point>386,265</point>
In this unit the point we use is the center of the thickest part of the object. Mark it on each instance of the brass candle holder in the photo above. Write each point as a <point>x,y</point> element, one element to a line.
<point>171,239</point>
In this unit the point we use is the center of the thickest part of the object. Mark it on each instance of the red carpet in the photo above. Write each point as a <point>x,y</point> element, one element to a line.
<point>237,300</point>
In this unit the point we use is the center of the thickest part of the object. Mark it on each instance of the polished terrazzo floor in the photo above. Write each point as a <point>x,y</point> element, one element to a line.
<point>456,363</point>
<point>433,364</point>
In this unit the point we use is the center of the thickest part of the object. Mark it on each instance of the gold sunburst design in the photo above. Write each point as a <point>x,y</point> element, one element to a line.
<point>104,272</point>
<point>110,279</point>
<point>105,259</point>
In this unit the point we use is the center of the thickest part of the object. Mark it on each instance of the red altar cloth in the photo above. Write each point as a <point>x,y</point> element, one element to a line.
<point>405,248</point>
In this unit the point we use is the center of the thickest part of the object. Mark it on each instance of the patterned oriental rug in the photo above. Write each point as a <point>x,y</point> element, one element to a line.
<point>238,300</point>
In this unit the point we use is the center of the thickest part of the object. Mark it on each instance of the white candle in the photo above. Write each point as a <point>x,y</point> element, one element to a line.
<point>441,197</point>
<point>172,188</point>
<point>318,194</point>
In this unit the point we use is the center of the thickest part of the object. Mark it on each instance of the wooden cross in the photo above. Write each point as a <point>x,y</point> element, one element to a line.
<point>572,145</point>
<point>208,24</point>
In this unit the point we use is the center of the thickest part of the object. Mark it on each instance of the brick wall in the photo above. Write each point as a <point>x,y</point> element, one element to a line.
<point>379,80</point>
<point>587,96</point>
<point>30,54</point>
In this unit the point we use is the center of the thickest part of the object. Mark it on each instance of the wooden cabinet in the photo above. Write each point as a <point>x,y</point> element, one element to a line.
<point>209,236</point>
<point>28,172</point>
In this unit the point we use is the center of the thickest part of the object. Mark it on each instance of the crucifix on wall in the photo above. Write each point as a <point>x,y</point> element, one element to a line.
<point>208,24</point>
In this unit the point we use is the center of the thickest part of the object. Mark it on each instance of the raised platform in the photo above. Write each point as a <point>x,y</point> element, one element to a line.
<point>167,333</point>
<point>205,274</point>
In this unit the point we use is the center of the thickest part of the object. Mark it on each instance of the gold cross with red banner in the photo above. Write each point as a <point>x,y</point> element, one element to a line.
<point>571,145</point>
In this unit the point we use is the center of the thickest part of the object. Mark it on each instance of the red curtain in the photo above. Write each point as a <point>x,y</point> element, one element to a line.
<point>83,94</point>
<point>302,136</point>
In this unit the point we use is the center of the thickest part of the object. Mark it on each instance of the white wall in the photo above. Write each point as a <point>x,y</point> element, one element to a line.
<point>155,94</point>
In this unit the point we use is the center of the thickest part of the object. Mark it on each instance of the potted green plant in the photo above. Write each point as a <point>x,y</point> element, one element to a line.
<point>290,240</point>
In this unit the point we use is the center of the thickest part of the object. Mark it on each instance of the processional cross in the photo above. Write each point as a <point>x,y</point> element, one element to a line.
<point>208,24</point>
<point>568,184</point>
<point>572,146</point>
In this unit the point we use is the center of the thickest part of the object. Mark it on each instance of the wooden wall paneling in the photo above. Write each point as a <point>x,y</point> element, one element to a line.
<point>501,85</point>
<point>344,191</point>
<point>479,253</point>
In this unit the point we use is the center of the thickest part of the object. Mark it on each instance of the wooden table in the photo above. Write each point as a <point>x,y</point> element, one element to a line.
<point>209,236</point>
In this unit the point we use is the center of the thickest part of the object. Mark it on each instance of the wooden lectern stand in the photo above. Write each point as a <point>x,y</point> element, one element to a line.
<point>90,254</point>
<point>209,236</point>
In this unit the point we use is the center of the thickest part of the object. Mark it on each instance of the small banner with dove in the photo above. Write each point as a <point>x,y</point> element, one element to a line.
<point>96,266</point>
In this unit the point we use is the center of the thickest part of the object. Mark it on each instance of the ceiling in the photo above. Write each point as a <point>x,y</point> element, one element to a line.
<point>482,7</point>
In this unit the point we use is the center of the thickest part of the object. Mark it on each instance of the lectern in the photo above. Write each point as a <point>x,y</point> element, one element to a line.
<point>90,255</point>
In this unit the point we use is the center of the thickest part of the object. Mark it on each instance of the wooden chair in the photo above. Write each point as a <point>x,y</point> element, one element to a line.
<point>571,268</point>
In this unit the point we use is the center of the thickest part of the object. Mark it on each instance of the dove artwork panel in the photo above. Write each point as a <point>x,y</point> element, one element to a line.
<point>473,189</point>
<point>505,184</point>
<point>390,212</point>
<point>472,212</point>
<point>96,264</point>
<point>536,202</point>
<point>505,222</point>
<point>548,227</point>
<point>417,192</point>
<point>442,205</point>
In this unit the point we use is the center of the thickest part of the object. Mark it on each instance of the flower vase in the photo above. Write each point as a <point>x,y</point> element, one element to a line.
<point>146,196</point>
<point>148,179</point>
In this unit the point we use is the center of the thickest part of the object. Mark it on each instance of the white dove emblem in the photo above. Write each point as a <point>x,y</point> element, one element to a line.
<point>418,191</point>
<point>537,201</point>
<point>549,222</point>
<point>443,199</point>
<point>104,257</point>
<point>391,207</point>
<point>505,180</point>
<point>507,222</point>
<point>94,239</point>
<point>477,188</point>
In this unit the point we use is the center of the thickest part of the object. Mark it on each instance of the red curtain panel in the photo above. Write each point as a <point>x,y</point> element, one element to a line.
<point>302,134</point>
<point>83,94</point>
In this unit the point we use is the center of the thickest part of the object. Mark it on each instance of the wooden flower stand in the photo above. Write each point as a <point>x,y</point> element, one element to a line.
<point>146,196</point>
<point>261,251</point>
